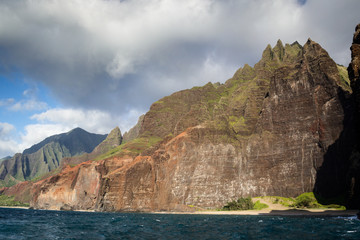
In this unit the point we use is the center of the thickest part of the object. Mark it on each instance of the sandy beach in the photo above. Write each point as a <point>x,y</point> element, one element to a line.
<point>271,212</point>
<point>275,209</point>
<point>14,207</point>
<point>268,211</point>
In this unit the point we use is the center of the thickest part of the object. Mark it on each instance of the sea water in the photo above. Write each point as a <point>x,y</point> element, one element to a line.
<point>41,224</point>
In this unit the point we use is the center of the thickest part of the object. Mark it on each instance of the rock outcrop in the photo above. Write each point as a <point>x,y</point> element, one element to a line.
<point>353,174</point>
<point>134,132</point>
<point>264,132</point>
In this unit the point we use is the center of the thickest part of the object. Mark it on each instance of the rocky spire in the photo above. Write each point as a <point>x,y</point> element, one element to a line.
<point>354,66</point>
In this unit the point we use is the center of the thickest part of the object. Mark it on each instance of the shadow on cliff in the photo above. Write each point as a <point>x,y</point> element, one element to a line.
<point>335,177</point>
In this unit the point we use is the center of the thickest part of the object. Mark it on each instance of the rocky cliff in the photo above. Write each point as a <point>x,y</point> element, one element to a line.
<point>47,155</point>
<point>134,131</point>
<point>266,131</point>
<point>353,173</point>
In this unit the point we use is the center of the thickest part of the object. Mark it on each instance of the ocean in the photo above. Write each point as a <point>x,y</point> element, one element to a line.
<point>42,224</point>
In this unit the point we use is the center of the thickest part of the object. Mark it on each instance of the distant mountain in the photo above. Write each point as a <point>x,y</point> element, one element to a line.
<point>47,155</point>
<point>5,158</point>
<point>113,140</point>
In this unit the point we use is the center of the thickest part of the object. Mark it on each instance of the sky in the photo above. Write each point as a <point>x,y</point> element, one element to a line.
<point>98,64</point>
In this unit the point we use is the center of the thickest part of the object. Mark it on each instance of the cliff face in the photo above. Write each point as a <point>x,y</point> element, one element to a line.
<point>134,132</point>
<point>353,174</point>
<point>264,132</point>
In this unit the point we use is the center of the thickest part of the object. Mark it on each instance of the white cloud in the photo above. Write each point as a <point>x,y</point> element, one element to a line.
<point>120,56</point>
<point>35,133</point>
<point>5,129</point>
<point>60,120</point>
<point>7,145</point>
<point>28,105</point>
<point>91,120</point>
<point>6,102</point>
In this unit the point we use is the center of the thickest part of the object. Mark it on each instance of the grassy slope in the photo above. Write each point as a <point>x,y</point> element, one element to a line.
<point>10,202</point>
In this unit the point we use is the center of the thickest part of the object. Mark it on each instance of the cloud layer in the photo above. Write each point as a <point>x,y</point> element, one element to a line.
<point>116,57</point>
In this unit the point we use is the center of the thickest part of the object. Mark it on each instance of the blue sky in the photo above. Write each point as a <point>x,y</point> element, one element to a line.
<point>98,64</point>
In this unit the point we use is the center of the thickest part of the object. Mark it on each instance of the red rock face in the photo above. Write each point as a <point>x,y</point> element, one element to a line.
<point>269,141</point>
<point>73,189</point>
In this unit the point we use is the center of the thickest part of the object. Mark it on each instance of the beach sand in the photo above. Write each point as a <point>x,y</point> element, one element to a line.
<point>271,212</point>
<point>275,209</point>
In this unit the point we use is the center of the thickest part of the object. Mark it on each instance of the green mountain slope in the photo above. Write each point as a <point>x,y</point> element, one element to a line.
<point>113,140</point>
<point>47,155</point>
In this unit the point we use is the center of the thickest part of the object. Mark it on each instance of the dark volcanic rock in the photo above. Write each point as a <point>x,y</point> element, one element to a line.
<point>353,175</point>
<point>264,132</point>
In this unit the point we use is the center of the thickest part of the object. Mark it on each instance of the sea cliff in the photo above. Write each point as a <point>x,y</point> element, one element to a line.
<point>265,131</point>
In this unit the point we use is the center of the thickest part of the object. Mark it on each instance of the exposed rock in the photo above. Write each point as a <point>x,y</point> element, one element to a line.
<point>73,189</point>
<point>21,191</point>
<point>353,176</point>
<point>264,132</point>
<point>134,132</point>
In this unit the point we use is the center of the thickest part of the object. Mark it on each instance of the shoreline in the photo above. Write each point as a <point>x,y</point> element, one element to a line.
<point>263,212</point>
<point>273,212</point>
<point>15,207</point>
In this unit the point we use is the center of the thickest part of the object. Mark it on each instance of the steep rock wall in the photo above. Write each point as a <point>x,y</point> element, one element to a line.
<point>263,132</point>
<point>353,174</point>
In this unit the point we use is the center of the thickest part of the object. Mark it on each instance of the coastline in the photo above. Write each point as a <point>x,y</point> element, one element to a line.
<point>263,212</point>
<point>272,212</point>
<point>16,207</point>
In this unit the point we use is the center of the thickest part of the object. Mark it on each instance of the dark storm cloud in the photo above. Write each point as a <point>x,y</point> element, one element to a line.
<point>122,55</point>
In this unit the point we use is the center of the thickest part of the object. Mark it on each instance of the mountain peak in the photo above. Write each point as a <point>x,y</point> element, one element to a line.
<point>113,139</point>
<point>279,50</point>
<point>71,139</point>
<point>281,53</point>
<point>75,130</point>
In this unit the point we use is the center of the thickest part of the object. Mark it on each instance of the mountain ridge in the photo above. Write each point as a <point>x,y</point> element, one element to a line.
<point>47,155</point>
<point>265,131</point>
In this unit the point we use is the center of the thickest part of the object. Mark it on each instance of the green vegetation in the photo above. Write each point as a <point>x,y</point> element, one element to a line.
<point>258,205</point>
<point>240,204</point>
<point>8,182</point>
<point>305,200</point>
<point>10,202</point>
<point>46,175</point>
<point>308,200</point>
<point>286,202</point>
<point>344,77</point>
<point>132,148</point>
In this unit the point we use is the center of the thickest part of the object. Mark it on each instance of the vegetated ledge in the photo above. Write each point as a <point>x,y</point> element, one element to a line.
<point>280,206</point>
<point>10,202</point>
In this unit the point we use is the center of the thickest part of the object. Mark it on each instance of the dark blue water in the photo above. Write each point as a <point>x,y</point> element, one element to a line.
<point>39,224</point>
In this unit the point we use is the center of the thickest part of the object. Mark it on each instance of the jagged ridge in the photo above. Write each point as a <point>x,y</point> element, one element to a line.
<point>264,132</point>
